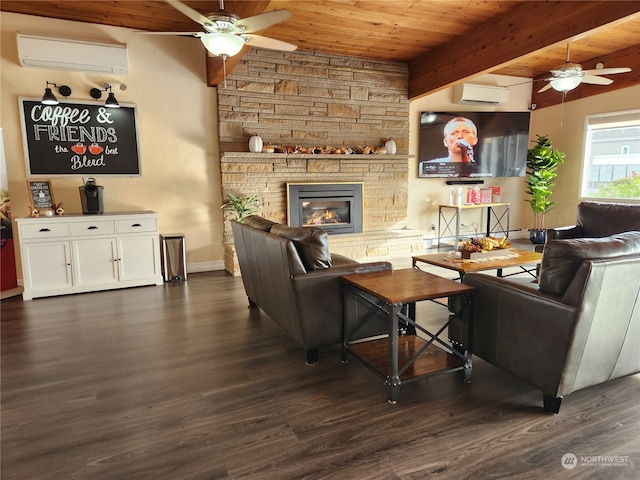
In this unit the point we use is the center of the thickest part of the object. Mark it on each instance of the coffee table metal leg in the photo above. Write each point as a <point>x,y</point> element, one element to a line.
<point>393,379</point>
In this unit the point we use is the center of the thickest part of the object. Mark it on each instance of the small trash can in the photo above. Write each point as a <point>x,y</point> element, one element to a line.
<point>174,258</point>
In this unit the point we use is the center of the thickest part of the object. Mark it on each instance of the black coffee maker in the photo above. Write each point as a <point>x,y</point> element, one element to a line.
<point>91,197</point>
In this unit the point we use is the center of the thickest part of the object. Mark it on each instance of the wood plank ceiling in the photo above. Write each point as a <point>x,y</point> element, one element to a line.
<point>443,41</point>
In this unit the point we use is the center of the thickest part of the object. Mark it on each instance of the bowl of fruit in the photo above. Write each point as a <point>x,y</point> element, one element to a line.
<point>484,247</point>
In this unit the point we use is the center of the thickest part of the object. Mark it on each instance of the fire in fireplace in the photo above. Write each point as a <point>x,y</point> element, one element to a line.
<point>334,207</point>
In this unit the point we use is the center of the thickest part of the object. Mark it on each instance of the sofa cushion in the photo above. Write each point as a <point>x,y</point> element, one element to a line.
<point>562,258</point>
<point>258,222</point>
<point>311,243</point>
<point>603,219</point>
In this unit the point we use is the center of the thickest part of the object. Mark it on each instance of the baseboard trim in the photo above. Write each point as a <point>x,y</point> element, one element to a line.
<point>205,266</point>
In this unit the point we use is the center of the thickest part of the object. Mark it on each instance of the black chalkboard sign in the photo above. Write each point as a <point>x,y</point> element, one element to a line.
<point>41,195</point>
<point>79,139</point>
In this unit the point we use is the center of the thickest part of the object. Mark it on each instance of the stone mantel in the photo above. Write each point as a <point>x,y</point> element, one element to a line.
<point>314,156</point>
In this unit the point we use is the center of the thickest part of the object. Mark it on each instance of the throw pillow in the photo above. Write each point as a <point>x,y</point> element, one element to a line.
<point>258,222</point>
<point>311,243</point>
<point>562,258</point>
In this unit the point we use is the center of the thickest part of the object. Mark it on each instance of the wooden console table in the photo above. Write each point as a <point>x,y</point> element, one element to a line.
<point>449,215</point>
<point>397,358</point>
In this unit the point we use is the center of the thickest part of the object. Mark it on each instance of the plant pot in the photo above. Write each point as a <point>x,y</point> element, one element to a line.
<point>537,236</point>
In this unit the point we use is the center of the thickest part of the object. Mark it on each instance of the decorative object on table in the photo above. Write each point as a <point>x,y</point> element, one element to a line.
<point>240,208</point>
<point>390,146</point>
<point>59,209</point>
<point>496,194</point>
<point>473,195</point>
<point>268,148</point>
<point>255,143</point>
<point>542,164</point>
<point>486,195</point>
<point>488,246</point>
<point>33,211</point>
<point>41,196</point>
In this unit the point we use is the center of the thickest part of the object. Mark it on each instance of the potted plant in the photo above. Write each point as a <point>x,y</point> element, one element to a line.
<point>542,164</point>
<point>241,207</point>
<point>238,208</point>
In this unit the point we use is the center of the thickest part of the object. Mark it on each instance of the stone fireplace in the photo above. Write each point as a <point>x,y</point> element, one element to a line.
<point>310,99</point>
<point>334,207</point>
<point>383,177</point>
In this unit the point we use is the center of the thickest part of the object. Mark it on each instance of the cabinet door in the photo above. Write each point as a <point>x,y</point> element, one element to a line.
<point>95,261</point>
<point>138,257</point>
<point>46,266</point>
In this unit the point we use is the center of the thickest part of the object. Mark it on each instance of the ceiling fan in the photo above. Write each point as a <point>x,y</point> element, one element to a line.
<point>568,76</point>
<point>225,33</point>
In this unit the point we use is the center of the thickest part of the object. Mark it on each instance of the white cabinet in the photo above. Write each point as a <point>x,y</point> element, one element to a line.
<point>81,253</point>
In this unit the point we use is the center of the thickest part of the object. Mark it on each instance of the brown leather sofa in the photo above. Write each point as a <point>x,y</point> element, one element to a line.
<point>290,275</point>
<point>578,327</point>
<point>595,219</point>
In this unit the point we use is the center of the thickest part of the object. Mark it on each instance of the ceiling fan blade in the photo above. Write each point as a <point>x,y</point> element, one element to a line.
<point>263,20</point>
<point>272,43</point>
<point>545,88</point>
<point>190,34</point>
<point>595,80</point>
<point>189,12</point>
<point>606,71</point>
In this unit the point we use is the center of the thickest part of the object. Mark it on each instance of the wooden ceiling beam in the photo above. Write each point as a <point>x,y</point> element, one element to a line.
<point>629,57</point>
<point>499,42</point>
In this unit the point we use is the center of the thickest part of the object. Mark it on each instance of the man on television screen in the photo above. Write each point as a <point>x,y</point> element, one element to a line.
<point>460,136</point>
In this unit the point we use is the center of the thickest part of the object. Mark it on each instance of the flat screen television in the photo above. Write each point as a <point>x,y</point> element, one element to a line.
<point>473,144</point>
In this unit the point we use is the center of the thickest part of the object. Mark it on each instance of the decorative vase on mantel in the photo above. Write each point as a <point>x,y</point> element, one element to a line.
<point>390,146</point>
<point>255,143</point>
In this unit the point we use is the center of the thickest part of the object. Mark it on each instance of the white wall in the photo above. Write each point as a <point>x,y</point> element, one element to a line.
<point>565,127</point>
<point>426,194</point>
<point>178,130</point>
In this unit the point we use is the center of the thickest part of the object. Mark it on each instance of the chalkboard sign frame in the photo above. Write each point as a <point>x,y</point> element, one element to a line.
<point>57,155</point>
<point>44,187</point>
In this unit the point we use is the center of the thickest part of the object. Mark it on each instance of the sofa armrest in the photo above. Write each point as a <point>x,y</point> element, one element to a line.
<point>320,301</point>
<point>561,233</point>
<point>521,330</point>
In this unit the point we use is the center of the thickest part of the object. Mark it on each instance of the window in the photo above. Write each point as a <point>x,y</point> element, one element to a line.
<point>611,166</point>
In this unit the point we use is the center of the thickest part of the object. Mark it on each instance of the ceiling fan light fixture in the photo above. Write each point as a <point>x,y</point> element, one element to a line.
<point>222,44</point>
<point>564,84</point>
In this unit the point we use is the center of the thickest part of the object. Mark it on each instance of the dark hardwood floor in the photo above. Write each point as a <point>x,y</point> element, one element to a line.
<point>183,381</point>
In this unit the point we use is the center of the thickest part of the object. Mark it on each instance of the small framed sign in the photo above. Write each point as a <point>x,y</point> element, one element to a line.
<point>41,195</point>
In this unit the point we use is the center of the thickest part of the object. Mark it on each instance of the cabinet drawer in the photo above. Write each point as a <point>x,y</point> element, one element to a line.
<point>44,230</point>
<point>136,225</point>
<point>91,228</point>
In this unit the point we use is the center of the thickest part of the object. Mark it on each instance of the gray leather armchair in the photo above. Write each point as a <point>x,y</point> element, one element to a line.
<point>580,328</point>
<point>595,219</point>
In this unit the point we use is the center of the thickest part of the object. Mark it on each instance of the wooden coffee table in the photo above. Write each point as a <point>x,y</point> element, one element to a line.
<point>517,258</point>
<point>399,358</point>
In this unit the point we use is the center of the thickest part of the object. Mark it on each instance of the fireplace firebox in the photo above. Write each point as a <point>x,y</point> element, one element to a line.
<point>334,207</point>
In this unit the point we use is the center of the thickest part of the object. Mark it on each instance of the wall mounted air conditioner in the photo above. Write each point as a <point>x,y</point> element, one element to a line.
<point>467,93</point>
<point>72,54</point>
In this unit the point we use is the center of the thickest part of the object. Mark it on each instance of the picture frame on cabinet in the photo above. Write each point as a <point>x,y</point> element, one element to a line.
<point>41,198</point>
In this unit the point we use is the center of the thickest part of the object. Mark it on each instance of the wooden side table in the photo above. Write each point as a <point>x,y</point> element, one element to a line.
<point>396,358</point>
